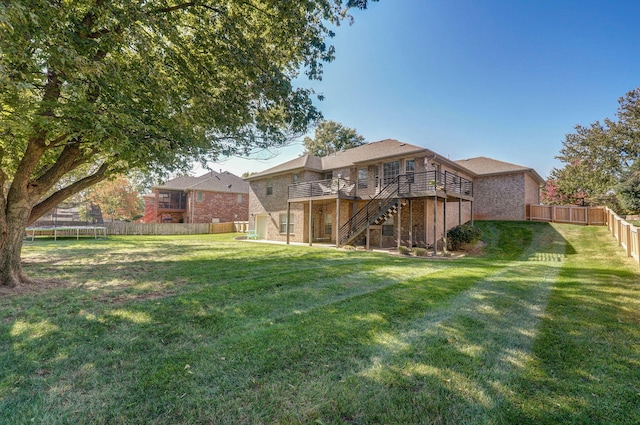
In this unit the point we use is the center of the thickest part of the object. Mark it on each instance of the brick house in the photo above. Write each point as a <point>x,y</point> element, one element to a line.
<point>211,197</point>
<point>384,194</point>
<point>503,190</point>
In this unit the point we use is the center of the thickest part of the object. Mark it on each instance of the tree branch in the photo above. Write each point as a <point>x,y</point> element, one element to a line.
<point>56,198</point>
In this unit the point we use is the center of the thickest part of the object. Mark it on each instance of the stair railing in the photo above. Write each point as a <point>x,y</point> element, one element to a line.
<point>378,205</point>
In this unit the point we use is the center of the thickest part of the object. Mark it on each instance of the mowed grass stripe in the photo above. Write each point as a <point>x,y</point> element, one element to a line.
<point>586,364</point>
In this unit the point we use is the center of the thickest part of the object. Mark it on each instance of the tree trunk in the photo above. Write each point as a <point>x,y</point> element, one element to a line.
<point>12,237</point>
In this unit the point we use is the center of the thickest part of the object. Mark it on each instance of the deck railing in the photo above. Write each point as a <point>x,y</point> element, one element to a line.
<point>322,188</point>
<point>430,181</point>
<point>405,184</point>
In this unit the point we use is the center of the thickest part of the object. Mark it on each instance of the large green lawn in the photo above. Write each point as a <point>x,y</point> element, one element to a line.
<point>543,328</point>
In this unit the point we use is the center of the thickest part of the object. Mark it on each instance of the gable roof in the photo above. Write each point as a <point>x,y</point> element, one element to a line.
<point>368,152</point>
<point>307,162</point>
<point>484,166</point>
<point>211,181</point>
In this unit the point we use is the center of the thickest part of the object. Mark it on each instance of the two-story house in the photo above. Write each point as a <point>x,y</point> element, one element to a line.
<point>381,194</point>
<point>212,197</point>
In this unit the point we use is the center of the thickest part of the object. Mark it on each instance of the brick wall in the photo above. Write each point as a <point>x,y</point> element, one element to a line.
<point>499,197</point>
<point>216,206</point>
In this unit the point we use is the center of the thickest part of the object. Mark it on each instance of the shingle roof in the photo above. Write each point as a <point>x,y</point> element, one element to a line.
<point>211,181</point>
<point>307,161</point>
<point>368,152</point>
<point>484,166</point>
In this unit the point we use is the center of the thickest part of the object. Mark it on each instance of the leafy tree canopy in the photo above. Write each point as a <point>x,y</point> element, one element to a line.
<point>331,137</point>
<point>92,88</point>
<point>118,199</point>
<point>598,157</point>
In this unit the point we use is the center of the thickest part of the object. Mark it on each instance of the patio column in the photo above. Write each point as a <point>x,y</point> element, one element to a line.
<point>399,223</point>
<point>338,220</point>
<point>288,219</point>
<point>410,224</point>
<point>425,209</point>
<point>444,224</point>
<point>310,222</point>
<point>472,213</point>
<point>459,211</point>
<point>435,225</point>
<point>369,234</point>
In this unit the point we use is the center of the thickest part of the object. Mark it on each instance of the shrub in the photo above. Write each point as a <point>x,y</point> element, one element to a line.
<point>404,250</point>
<point>462,235</point>
<point>420,252</point>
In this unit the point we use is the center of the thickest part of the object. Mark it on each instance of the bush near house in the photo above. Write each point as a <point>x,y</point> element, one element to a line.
<point>464,234</point>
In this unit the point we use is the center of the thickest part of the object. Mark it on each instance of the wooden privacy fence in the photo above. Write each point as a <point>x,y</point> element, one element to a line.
<point>175,228</point>
<point>568,214</point>
<point>625,233</point>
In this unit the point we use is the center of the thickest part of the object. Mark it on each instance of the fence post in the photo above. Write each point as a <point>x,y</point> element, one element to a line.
<point>638,246</point>
<point>628,227</point>
<point>619,220</point>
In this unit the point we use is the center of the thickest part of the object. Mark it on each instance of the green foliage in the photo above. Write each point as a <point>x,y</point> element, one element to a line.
<point>462,235</point>
<point>598,156</point>
<point>331,137</point>
<point>420,252</point>
<point>153,86</point>
<point>404,250</point>
<point>629,193</point>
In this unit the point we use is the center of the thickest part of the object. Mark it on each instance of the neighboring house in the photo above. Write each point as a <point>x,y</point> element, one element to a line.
<point>210,198</point>
<point>382,194</point>
<point>503,190</point>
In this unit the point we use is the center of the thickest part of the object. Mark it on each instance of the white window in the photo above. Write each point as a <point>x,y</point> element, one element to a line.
<point>283,223</point>
<point>363,178</point>
<point>199,196</point>
<point>390,171</point>
<point>240,198</point>
<point>410,169</point>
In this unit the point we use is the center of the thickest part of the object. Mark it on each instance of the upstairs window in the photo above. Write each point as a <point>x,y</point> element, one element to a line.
<point>390,171</point>
<point>270,187</point>
<point>410,169</point>
<point>363,178</point>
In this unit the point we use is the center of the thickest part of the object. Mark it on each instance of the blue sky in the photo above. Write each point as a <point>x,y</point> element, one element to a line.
<point>507,79</point>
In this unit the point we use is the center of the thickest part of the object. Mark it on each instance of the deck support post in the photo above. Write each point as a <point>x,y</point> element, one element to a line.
<point>288,220</point>
<point>399,223</point>
<point>368,234</point>
<point>338,220</point>
<point>410,224</point>
<point>310,222</point>
<point>435,225</point>
<point>444,225</point>
<point>425,208</point>
<point>472,213</point>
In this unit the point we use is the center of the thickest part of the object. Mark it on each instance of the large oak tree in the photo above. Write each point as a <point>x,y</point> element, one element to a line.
<point>91,88</point>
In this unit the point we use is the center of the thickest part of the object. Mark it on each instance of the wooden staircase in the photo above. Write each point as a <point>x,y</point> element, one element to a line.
<point>379,209</point>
